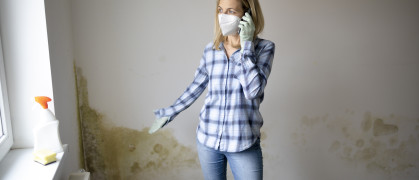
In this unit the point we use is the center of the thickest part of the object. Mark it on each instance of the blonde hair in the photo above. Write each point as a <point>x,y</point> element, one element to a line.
<point>257,17</point>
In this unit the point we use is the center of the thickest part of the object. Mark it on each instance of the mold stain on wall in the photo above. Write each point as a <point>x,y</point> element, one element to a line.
<point>81,156</point>
<point>263,137</point>
<point>113,152</point>
<point>380,144</point>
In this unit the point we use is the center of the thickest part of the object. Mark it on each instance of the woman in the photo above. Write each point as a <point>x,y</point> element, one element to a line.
<point>235,67</point>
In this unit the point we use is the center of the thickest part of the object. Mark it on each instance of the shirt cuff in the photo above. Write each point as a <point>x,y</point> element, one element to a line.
<point>159,113</point>
<point>248,48</point>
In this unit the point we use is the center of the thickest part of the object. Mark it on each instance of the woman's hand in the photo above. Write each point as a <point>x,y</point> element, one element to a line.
<point>158,123</point>
<point>247,29</point>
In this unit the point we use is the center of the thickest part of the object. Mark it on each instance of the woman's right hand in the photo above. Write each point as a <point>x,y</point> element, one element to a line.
<point>157,124</point>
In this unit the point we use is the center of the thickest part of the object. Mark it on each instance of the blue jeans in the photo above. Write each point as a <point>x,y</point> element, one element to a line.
<point>245,165</point>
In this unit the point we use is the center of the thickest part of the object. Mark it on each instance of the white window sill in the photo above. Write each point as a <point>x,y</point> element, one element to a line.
<point>19,164</point>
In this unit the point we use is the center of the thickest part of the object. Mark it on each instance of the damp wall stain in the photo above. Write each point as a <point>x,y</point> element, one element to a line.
<point>367,122</point>
<point>82,163</point>
<point>263,137</point>
<point>381,144</point>
<point>113,152</point>
<point>381,129</point>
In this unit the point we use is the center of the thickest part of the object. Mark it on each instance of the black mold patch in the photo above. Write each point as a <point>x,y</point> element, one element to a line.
<point>112,152</point>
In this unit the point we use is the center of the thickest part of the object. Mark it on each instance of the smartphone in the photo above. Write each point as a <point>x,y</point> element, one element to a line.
<point>250,12</point>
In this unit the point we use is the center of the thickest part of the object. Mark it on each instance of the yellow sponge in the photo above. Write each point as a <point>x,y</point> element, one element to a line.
<point>45,156</point>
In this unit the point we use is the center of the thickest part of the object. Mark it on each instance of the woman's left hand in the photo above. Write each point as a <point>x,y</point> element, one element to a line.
<point>247,29</point>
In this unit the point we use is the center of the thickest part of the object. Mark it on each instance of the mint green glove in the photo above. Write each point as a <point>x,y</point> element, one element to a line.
<point>158,123</point>
<point>247,29</point>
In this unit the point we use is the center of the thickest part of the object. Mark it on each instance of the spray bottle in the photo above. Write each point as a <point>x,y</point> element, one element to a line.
<point>46,132</point>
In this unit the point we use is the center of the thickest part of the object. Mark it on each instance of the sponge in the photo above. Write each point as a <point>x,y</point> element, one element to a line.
<point>45,156</point>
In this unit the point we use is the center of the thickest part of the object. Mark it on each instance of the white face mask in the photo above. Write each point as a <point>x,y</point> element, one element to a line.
<point>229,24</point>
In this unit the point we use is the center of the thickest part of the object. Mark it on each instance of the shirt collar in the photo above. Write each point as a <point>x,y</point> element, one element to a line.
<point>256,41</point>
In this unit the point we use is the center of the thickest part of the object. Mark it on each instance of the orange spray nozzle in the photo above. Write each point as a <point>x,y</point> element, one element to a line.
<point>43,101</point>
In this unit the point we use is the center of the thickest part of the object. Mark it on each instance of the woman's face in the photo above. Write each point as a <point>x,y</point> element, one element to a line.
<point>231,7</point>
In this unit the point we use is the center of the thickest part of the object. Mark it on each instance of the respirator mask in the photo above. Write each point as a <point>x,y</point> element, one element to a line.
<point>229,24</point>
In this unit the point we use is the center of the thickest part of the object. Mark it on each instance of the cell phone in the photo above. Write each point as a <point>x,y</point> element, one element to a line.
<point>250,13</point>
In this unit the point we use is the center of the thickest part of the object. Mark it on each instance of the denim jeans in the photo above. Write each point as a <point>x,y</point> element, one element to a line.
<point>245,165</point>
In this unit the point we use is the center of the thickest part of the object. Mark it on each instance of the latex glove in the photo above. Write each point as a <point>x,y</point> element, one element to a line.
<point>158,123</point>
<point>247,29</point>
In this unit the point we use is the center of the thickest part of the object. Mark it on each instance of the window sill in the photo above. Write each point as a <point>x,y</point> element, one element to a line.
<point>19,164</point>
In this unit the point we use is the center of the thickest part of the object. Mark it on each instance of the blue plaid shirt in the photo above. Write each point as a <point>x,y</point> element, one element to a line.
<point>230,119</point>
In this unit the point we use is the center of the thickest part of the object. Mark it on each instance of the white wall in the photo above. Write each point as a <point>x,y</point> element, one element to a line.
<point>62,58</point>
<point>336,63</point>
<point>27,54</point>
<point>140,55</point>
<point>26,58</point>
<point>341,102</point>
